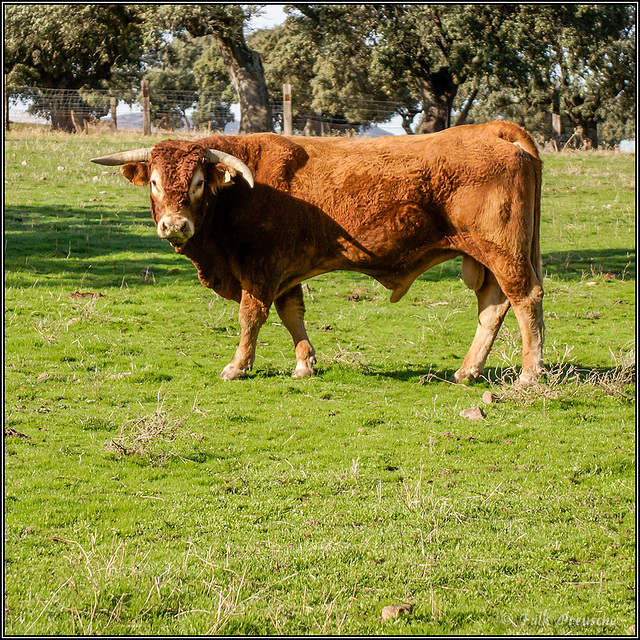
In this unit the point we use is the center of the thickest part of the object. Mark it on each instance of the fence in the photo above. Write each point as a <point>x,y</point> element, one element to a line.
<point>146,110</point>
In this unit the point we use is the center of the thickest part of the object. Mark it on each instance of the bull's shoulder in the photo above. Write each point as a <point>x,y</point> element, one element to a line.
<point>272,158</point>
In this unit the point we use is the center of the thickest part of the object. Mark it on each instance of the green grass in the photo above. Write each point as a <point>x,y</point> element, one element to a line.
<point>145,496</point>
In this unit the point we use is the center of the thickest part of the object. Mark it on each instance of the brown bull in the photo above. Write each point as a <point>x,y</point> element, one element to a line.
<point>391,208</point>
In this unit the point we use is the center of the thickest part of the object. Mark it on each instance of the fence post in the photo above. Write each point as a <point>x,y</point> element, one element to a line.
<point>114,120</point>
<point>287,112</point>
<point>146,112</point>
<point>6,105</point>
<point>556,118</point>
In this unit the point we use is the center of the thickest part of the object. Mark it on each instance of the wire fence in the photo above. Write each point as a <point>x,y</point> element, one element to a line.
<point>186,109</point>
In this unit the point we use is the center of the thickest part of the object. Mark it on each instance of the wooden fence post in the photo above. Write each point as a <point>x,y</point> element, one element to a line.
<point>287,112</point>
<point>556,118</point>
<point>114,119</point>
<point>6,105</point>
<point>146,112</point>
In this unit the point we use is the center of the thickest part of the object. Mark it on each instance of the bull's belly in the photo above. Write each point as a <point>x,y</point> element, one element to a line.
<point>394,274</point>
<point>400,278</point>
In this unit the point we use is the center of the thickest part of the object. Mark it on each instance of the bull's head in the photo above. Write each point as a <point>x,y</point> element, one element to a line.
<point>183,177</point>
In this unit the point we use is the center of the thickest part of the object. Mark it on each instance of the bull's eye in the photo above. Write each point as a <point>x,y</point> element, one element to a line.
<point>199,184</point>
<point>154,184</point>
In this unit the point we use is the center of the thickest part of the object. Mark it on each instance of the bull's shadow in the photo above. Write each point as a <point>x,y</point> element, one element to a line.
<point>496,375</point>
<point>578,263</point>
<point>83,245</point>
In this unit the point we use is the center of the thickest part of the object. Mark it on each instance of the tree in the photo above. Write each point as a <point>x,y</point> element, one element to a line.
<point>172,82</point>
<point>433,50</point>
<point>188,72</point>
<point>216,94</point>
<point>574,60</point>
<point>416,56</point>
<point>323,52</point>
<point>225,24</point>
<point>70,47</point>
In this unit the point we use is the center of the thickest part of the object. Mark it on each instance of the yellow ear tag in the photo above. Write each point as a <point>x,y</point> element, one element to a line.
<point>227,177</point>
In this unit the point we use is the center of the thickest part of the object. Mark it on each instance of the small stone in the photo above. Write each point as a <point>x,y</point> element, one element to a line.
<point>394,610</point>
<point>473,413</point>
<point>488,397</point>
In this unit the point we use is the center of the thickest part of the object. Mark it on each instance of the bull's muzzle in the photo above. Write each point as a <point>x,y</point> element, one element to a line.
<point>175,229</point>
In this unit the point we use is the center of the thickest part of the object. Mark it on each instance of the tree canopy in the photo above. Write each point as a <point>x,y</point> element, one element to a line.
<point>95,46</point>
<point>435,65</point>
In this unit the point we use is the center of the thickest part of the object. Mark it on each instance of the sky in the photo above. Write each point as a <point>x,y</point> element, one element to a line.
<point>271,16</point>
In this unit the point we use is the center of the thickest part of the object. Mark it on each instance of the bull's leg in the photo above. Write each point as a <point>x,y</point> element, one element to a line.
<point>253,314</point>
<point>290,308</point>
<point>528,311</point>
<point>492,307</point>
<point>526,301</point>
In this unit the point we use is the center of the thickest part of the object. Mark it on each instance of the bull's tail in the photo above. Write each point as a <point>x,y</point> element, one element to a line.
<point>518,136</point>
<point>536,254</point>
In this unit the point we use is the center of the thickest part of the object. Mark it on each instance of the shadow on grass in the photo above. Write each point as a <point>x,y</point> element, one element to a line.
<point>92,246</point>
<point>75,242</point>
<point>574,265</point>
<point>504,375</point>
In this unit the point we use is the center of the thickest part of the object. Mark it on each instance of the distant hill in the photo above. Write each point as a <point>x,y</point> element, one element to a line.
<point>375,132</point>
<point>133,121</point>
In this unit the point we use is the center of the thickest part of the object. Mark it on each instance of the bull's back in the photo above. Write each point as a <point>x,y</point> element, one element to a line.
<point>405,182</point>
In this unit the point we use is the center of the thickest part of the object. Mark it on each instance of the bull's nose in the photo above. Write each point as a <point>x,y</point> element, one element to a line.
<point>177,228</point>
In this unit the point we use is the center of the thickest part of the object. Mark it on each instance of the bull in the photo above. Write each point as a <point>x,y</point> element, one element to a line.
<point>259,214</point>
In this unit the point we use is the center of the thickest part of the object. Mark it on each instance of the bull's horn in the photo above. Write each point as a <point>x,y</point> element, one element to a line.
<point>135,155</point>
<point>215,156</point>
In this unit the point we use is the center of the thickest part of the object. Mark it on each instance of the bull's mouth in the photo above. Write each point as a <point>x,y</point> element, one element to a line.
<point>176,230</point>
<point>174,240</point>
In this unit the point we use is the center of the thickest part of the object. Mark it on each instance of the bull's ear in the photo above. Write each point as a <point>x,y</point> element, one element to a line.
<point>136,172</point>
<point>220,175</point>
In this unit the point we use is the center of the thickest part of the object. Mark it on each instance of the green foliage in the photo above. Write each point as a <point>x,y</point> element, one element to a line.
<point>225,22</point>
<point>584,54</point>
<point>70,46</point>
<point>349,65</point>
<point>188,72</point>
<point>145,496</point>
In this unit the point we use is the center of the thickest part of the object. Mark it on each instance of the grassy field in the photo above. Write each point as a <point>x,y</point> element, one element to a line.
<point>144,495</point>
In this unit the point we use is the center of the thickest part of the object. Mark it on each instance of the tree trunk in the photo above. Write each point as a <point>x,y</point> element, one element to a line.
<point>588,131</point>
<point>247,74</point>
<point>407,120</point>
<point>61,119</point>
<point>462,118</point>
<point>556,116</point>
<point>438,92</point>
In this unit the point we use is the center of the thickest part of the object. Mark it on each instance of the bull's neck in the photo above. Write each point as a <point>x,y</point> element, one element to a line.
<point>213,270</point>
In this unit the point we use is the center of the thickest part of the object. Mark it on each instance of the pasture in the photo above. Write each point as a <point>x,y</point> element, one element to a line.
<point>146,496</point>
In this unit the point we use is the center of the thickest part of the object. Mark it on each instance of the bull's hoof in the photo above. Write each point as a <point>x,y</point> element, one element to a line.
<point>303,372</point>
<point>529,378</point>
<point>464,377</point>
<point>232,373</point>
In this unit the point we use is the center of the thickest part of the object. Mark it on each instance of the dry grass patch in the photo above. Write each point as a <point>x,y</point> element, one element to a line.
<point>149,436</point>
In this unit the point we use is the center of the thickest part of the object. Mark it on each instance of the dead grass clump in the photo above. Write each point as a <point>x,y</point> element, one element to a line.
<point>565,381</point>
<point>350,358</point>
<point>149,436</point>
